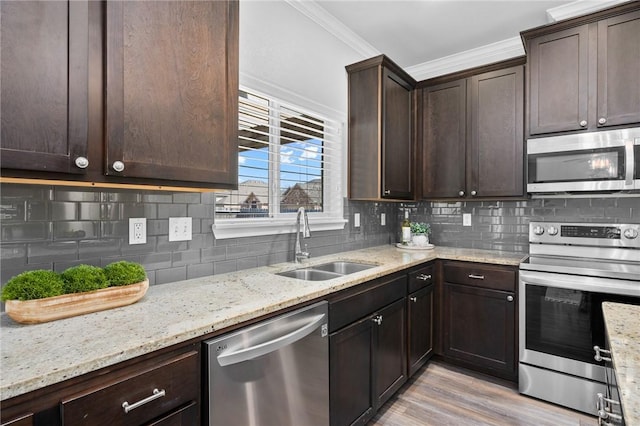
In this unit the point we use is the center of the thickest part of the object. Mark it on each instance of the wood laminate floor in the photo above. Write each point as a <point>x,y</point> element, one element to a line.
<point>440,394</point>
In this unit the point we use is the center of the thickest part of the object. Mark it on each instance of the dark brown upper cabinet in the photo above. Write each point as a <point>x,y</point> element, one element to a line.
<point>171,104</point>
<point>381,131</point>
<point>472,134</point>
<point>112,93</point>
<point>43,69</point>
<point>582,74</point>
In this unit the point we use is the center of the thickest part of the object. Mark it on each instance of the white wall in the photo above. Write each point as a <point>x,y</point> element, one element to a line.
<point>285,54</point>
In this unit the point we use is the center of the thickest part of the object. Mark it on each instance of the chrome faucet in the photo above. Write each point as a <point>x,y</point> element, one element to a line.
<point>302,220</point>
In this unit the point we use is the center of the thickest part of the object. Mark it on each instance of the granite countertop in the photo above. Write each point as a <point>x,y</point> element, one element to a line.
<point>623,329</point>
<point>35,356</point>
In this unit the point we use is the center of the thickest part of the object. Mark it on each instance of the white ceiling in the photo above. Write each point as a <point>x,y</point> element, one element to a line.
<point>416,32</point>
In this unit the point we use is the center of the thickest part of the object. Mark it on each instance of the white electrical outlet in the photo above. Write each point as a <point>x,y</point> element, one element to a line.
<point>383,219</point>
<point>356,220</point>
<point>180,229</point>
<point>466,219</point>
<point>137,230</point>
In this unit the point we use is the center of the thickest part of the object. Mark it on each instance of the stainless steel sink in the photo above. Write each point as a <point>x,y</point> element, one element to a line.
<point>326,271</point>
<point>309,274</point>
<point>343,268</point>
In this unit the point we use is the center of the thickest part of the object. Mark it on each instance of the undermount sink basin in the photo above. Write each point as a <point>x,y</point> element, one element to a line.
<point>343,268</point>
<point>308,274</point>
<point>326,271</point>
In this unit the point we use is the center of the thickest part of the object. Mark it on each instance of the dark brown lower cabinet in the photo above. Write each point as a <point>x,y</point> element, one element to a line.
<point>389,351</point>
<point>479,318</point>
<point>162,390</point>
<point>420,328</point>
<point>351,399</point>
<point>367,348</point>
<point>368,364</point>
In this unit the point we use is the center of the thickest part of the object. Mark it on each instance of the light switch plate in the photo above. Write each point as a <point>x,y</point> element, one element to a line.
<point>383,219</point>
<point>137,230</point>
<point>356,220</point>
<point>180,229</point>
<point>466,219</point>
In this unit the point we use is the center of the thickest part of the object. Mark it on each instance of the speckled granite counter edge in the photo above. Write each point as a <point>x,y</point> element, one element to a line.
<point>623,330</point>
<point>35,356</point>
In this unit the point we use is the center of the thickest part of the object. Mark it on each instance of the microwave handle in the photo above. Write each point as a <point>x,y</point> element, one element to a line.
<point>630,162</point>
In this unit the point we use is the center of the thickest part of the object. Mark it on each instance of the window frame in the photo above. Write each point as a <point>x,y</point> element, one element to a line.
<point>331,218</point>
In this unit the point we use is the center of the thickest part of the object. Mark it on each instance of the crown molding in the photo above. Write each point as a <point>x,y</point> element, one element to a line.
<point>579,7</point>
<point>488,54</point>
<point>331,24</point>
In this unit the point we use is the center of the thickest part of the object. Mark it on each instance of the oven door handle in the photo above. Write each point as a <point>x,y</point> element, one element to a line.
<point>582,283</point>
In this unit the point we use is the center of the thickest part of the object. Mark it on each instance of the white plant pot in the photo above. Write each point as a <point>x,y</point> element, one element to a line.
<point>420,240</point>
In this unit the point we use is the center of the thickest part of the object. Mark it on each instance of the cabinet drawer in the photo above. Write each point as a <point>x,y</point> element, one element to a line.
<point>421,278</point>
<point>486,276</point>
<point>178,377</point>
<point>372,297</point>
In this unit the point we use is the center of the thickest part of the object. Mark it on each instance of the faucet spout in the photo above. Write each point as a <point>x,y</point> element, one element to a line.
<point>302,221</point>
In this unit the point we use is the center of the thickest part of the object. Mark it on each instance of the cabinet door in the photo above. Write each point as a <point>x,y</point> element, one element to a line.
<point>43,72</point>
<point>495,154</point>
<point>172,90</point>
<point>390,356</point>
<point>420,328</point>
<point>444,139</point>
<point>558,91</point>
<point>618,70</point>
<point>397,143</point>
<point>350,366</point>
<point>479,328</point>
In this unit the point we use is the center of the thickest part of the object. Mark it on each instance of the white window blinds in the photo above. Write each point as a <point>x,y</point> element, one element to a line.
<point>284,155</point>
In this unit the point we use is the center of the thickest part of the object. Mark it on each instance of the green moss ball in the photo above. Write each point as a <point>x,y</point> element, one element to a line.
<point>31,285</point>
<point>124,273</point>
<point>81,278</point>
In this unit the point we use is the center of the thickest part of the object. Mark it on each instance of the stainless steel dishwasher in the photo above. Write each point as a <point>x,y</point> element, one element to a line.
<point>274,373</point>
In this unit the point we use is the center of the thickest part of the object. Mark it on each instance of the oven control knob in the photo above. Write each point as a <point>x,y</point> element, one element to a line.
<point>630,233</point>
<point>538,230</point>
<point>552,230</point>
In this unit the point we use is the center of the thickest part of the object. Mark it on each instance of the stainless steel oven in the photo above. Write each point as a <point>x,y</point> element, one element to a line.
<point>599,161</point>
<point>571,269</point>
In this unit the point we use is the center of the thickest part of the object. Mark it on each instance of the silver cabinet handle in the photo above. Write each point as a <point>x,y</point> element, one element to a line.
<point>118,166</point>
<point>246,354</point>
<point>82,162</point>
<point>583,123</point>
<point>473,193</point>
<point>509,298</point>
<point>602,120</point>
<point>476,277</point>
<point>155,395</point>
<point>598,356</point>
<point>377,319</point>
<point>413,299</point>
<point>387,191</point>
<point>461,193</point>
<point>423,277</point>
<point>604,410</point>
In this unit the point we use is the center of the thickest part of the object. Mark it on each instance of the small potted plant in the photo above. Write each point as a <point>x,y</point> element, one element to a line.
<point>39,296</point>
<point>420,233</point>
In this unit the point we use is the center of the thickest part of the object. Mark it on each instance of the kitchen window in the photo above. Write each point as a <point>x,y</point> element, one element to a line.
<point>287,158</point>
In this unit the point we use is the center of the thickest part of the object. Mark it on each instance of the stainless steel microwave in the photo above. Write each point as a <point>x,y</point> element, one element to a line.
<point>607,161</point>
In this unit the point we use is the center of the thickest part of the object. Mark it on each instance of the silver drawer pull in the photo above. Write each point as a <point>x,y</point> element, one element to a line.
<point>476,277</point>
<point>424,277</point>
<point>156,394</point>
<point>413,299</point>
<point>599,351</point>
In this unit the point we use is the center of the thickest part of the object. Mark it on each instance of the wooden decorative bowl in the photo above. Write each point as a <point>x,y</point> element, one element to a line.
<point>69,305</point>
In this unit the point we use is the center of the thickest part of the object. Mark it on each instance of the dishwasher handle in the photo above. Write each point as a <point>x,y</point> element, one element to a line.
<point>246,354</point>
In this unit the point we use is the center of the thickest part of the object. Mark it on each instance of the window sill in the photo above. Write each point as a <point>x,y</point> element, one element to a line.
<point>251,228</point>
